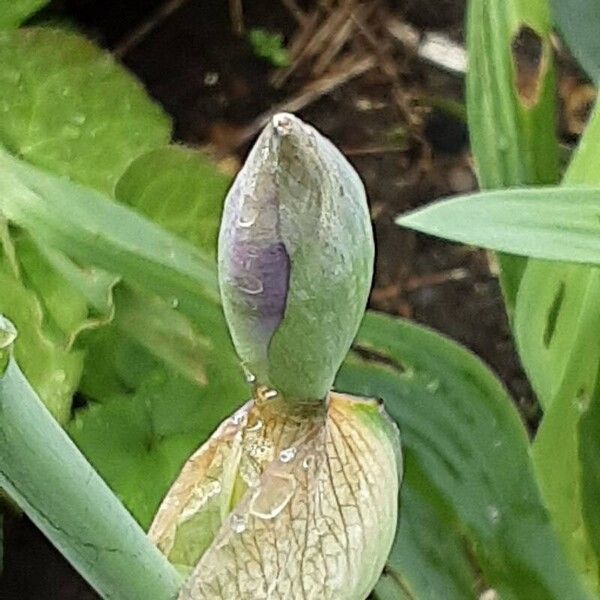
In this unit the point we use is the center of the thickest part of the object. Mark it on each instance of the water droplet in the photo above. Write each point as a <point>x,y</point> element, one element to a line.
<point>250,284</point>
<point>493,514</point>
<point>433,386</point>
<point>8,333</point>
<point>60,376</point>
<point>287,455</point>
<point>274,495</point>
<point>238,523</point>
<point>78,119</point>
<point>240,417</point>
<point>248,214</point>
<point>308,462</point>
<point>174,302</point>
<point>250,377</point>
<point>256,427</point>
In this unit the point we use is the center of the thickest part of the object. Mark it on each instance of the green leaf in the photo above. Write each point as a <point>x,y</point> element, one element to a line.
<point>52,367</point>
<point>67,106</point>
<point>139,440</point>
<point>15,12</point>
<point>552,223</point>
<point>579,22</point>
<point>180,189</point>
<point>270,47</point>
<point>93,231</point>
<point>558,331</point>
<point>464,441</point>
<point>511,103</point>
<point>56,487</point>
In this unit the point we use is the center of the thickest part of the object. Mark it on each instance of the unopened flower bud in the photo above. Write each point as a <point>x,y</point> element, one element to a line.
<point>295,259</point>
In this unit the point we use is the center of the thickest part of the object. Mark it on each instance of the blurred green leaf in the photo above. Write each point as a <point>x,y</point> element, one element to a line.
<point>67,106</point>
<point>15,12</point>
<point>269,46</point>
<point>180,189</point>
<point>511,103</point>
<point>579,23</point>
<point>552,223</point>
<point>467,455</point>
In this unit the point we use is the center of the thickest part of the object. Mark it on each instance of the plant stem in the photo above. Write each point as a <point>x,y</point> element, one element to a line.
<point>53,483</point>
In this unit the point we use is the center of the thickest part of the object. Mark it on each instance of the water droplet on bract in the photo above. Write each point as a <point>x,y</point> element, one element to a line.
<point>8,333</point>
<point>174,302</point>
<point>270,499</point>
<point>287,455</point>
<point>240,417</point>
<point>238,523</point>
<point>250,284</point>
<point>308,462</point>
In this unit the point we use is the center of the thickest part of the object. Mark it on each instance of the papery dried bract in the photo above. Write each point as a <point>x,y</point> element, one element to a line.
<point>301,506</point>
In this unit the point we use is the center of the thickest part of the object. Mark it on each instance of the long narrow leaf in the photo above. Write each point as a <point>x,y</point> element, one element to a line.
<point>551,223</point>
<point>511,103</point>
<point>52,482</point>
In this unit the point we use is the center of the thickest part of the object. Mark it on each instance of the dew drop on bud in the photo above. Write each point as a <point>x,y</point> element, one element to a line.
<point>8,333</point>
<point>250,285</point>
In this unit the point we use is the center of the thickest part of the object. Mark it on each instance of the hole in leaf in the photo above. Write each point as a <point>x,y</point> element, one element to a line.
<point>528,57</point>
<point>553,313</point>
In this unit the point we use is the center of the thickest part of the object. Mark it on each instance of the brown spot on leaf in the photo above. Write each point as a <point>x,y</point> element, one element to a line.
<point>528,54</point>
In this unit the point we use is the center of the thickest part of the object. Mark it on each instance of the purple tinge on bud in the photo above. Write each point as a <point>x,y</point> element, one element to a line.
<point>262,275</point>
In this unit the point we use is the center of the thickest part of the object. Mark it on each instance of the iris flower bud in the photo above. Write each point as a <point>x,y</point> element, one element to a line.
<point>295,259</point>
<point>296,495</point>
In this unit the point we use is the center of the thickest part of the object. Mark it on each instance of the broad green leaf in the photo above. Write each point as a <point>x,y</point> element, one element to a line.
<point>15,12</point>
<point>552,223</point>
<point>558,332</point>
<point>180,189</point>
<point>56,487</point>
<point>463,438</point>
<point>51,366</point>
<point>69,107</point>
<point>579,22</point>
<point>511,103</point>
